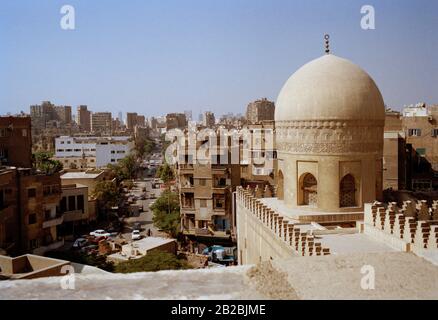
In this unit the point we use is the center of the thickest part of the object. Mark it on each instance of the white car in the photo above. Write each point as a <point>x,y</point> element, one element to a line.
<point>100,233</point>
<point>136,235</point>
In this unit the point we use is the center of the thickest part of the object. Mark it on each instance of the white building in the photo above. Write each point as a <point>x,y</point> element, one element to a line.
<point>105,150</point>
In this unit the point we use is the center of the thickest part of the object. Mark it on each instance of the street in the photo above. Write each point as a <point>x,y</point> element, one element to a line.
<point>145,217</point>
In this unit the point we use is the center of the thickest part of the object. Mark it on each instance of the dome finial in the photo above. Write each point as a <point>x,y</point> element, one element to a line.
<point>327,43</point>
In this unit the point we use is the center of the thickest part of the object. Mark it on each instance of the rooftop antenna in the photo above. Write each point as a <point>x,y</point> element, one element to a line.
<point>327,43</point>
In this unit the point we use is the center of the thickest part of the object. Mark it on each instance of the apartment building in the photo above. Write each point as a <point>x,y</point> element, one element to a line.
<point>208,119</point>
<point>92,152</point>
<point>30,214</point>
<point>258,155</point>
<point>75,207</point>
<point>84,118</point>
<point>411,148</point>
<point>206,189</point>
<point>47,115</point>
<point>15,141</point>
<point>101,122</point>
<point>260,110</point>
<point>176,121</point>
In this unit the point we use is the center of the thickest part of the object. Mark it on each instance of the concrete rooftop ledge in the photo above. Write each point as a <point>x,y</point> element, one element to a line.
<point>398,275</point>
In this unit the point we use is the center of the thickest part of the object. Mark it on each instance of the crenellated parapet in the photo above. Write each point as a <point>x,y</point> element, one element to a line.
<point>302,243</point>
<point>415,224</point>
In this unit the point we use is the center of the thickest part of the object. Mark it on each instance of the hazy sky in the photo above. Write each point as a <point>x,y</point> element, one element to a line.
<point>158,56</point>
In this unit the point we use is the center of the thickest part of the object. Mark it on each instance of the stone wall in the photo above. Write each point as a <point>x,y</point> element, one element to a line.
<point>264,234</point>
<point>411,228</point>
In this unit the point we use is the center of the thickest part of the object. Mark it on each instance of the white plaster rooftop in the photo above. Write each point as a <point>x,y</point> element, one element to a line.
<point>80,175</point>
<point>352,243</point>
<point>398,275</point>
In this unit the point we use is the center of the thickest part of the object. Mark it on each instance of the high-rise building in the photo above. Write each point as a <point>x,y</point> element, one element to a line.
<point>101,122</point>
<point>176,121</point>
<point>84,118</point>
<point>208,119</point>
<point>260,110</point>
<point>131,120</point>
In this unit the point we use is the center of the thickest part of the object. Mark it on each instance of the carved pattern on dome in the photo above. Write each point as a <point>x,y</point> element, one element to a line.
<point>359,136</point>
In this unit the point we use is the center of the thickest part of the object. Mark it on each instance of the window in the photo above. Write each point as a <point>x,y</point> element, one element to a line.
<point>31,193</point>
<point>434,133</point>
<point>3,132</point>
<point>347,194</point>
<point>2,199</point>
<point>4,154</point>
<point>203,182</point>
<point>63,204</point>
<point>80,200</point>
<point>219,203</point>
<point>414,132</point>
<point>62,142</point>
<point>32,218</point>
<point>33,244</point>
<point>71,203</point>
<point>421,152</point>
<point>308,190</point>
<point>60,150</point>
<point>24,132</point>
<point>112,151</point>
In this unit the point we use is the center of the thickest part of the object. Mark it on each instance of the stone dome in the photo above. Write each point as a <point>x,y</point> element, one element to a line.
<point>330,88</point>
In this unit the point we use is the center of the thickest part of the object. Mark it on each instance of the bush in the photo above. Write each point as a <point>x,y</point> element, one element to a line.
<point>155,260</point>
<point>98,261</point>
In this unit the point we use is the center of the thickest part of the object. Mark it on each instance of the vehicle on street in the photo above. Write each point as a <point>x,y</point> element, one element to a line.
<point>136,235</point>
<point>90,249</point>
<point>219,254</point>
<point>79,243</point>
<point>100,233</point>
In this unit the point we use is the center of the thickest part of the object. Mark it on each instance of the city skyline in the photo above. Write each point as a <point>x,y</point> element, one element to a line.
<point>155,58</point>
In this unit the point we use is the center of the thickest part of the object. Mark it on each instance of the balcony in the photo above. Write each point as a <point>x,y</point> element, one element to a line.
<point>188,210</point>
<point>201,232</point>
<point>75,215</point>
<point>219,168</point>
<point>185,168</point>
<point>51,222</point>
<point>219,211</point>
<point>187,188</point>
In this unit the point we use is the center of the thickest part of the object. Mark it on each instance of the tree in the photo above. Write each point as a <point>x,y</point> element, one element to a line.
<point>155,260</point>
<point>165,173</point>
<point>143,146</point>
<point>167,213</point>
<point>107,193</point>
<point>125,169</point>
<point>43,161</point>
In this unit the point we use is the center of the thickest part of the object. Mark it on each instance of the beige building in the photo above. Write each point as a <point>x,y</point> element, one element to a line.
<point>258,155</point>
<point>84,118</point>
<point>206,194</point>
<point>260,110</point>
<point>101,122</point>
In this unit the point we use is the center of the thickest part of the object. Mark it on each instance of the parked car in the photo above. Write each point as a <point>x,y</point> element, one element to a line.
<point>136,235</point>
<point>90,249</point>
<point>79,243</point>
<point>100,233</point>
